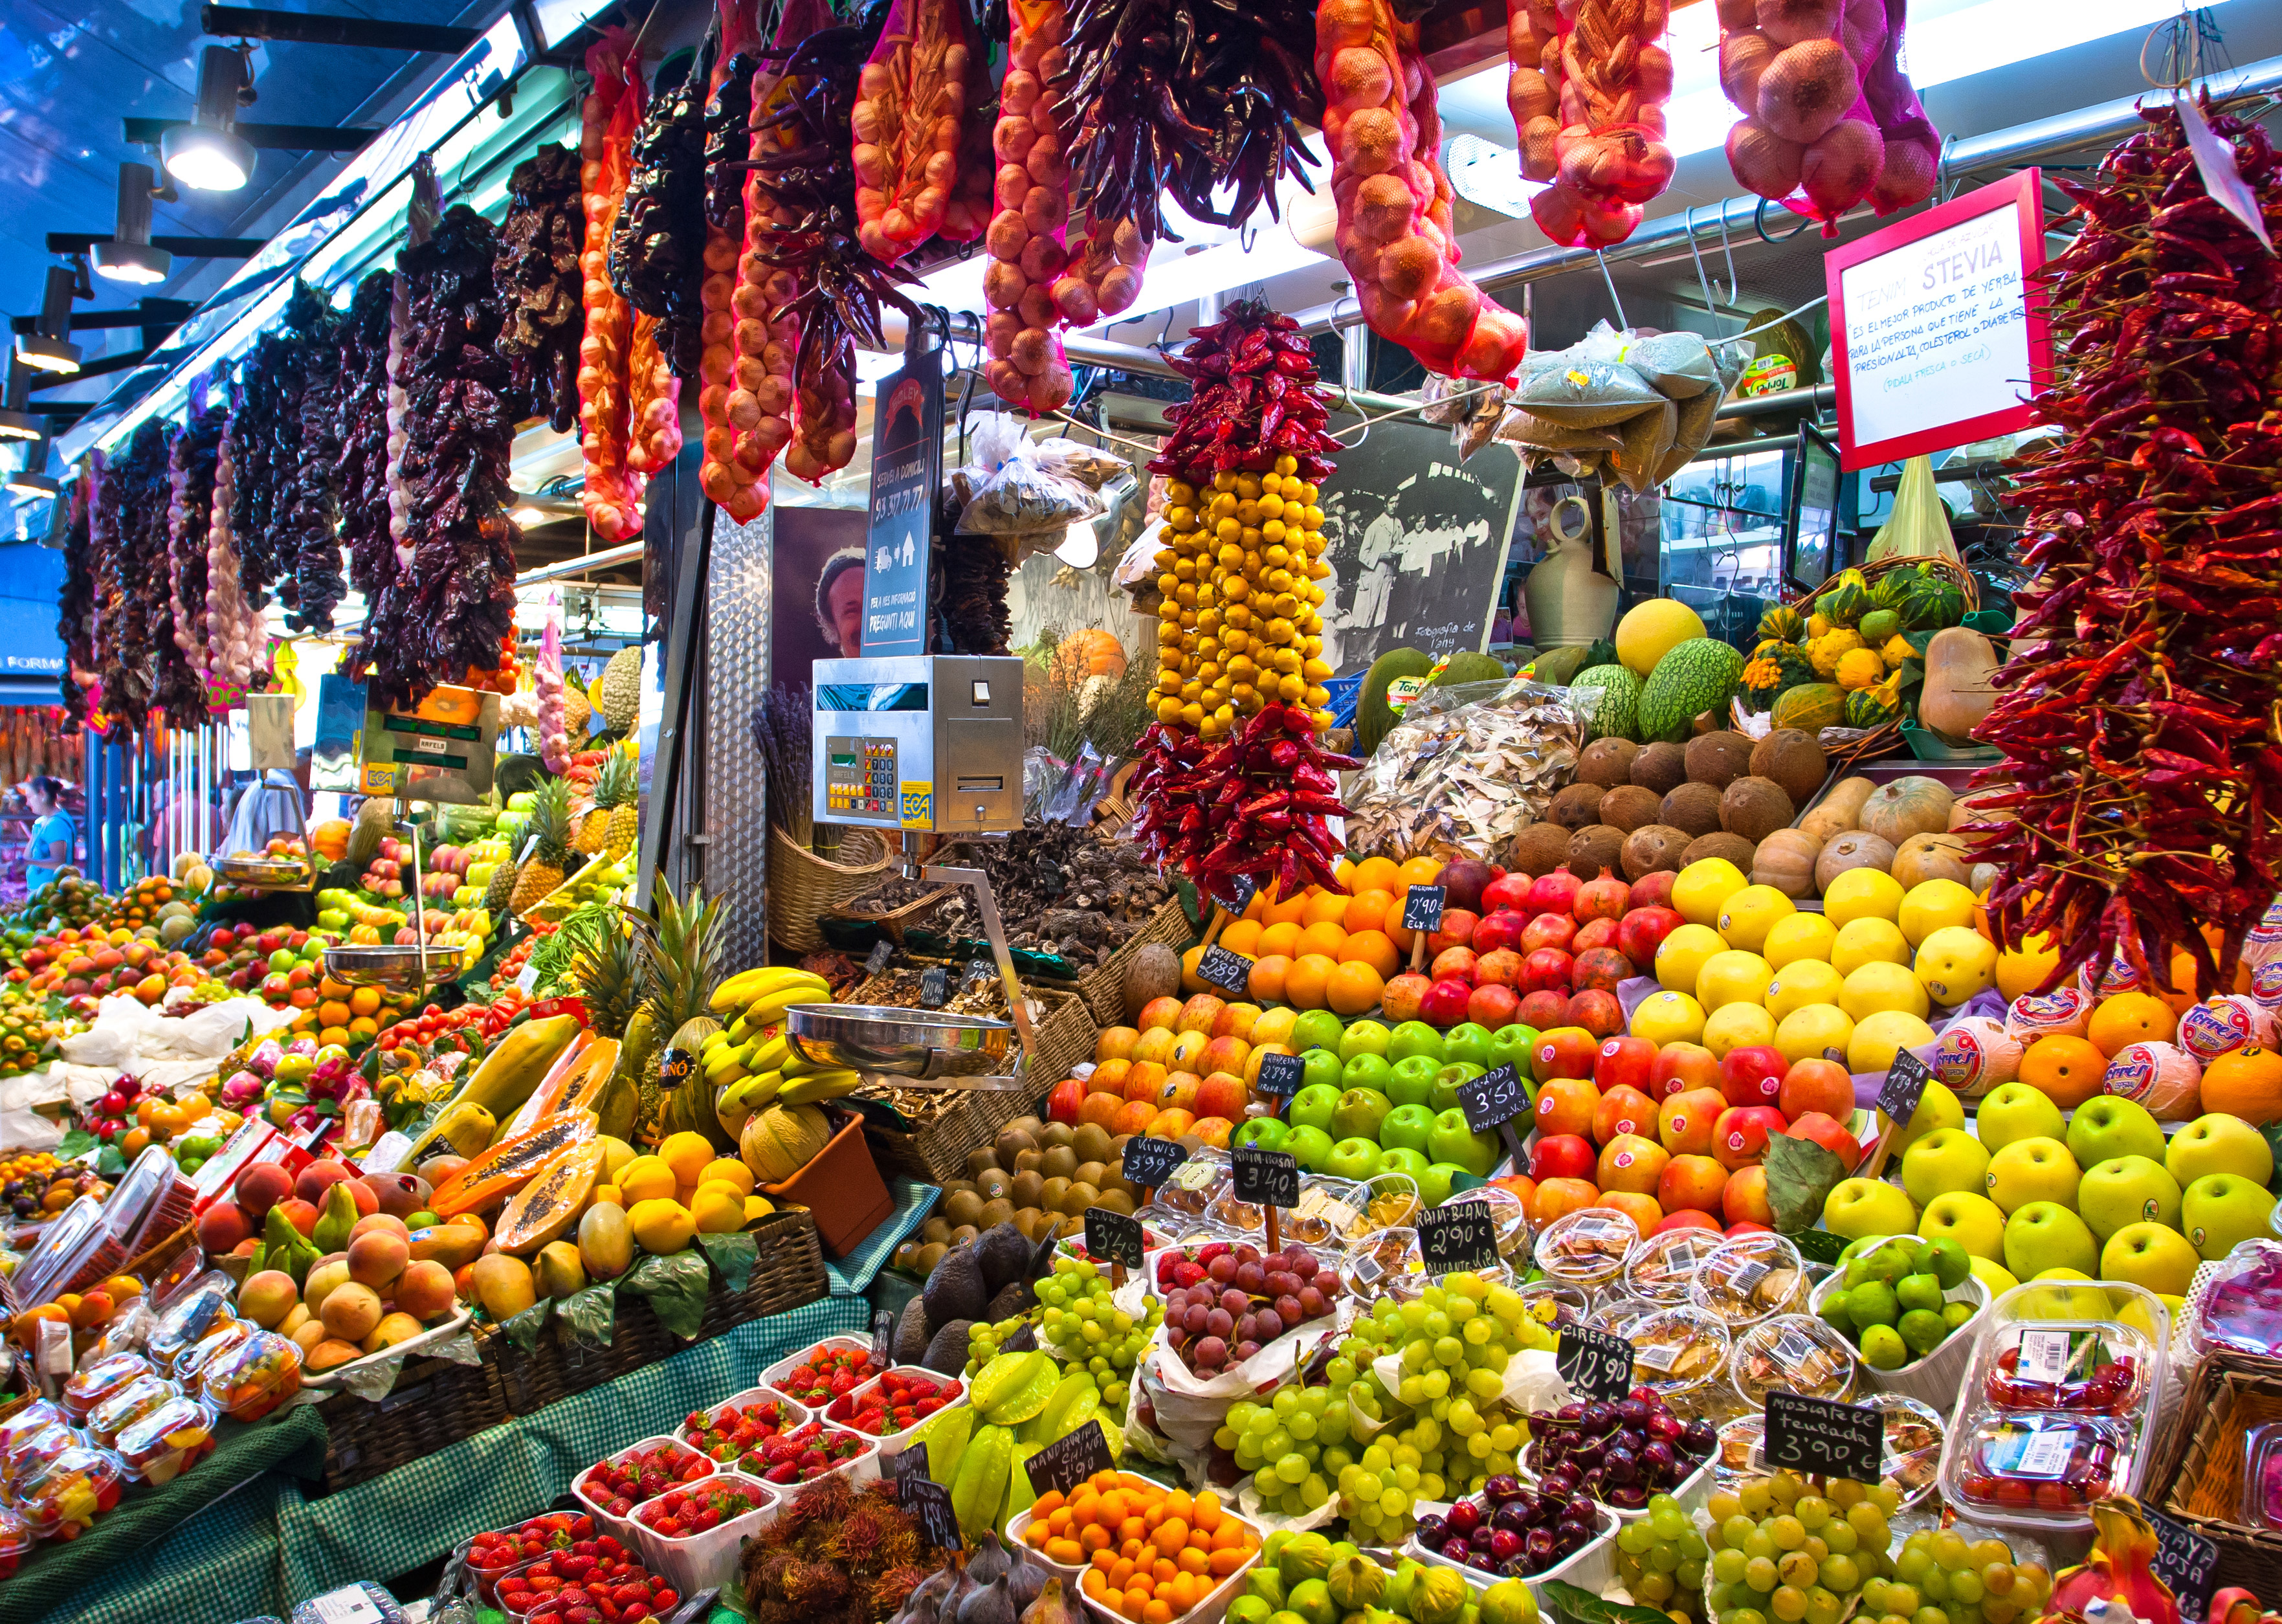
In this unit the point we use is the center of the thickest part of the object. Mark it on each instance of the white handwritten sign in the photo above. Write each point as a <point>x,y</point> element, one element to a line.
<point>1934,337</point>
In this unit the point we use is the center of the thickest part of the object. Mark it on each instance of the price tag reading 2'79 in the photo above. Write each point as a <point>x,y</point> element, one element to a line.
<point>1266,1178</point>
<point>1229,971</point>
<point>1280,1074</point>
<point>1595,1364</point>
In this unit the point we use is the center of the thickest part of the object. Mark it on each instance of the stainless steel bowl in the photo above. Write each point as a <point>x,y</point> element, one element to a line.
<point>923,1043</point>
<point>409,968</point>
<point>267,873</point>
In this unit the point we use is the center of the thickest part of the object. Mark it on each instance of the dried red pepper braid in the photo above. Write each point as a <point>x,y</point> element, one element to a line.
<point>1253,807</point>
<point>612,493</point>
<point>364,433</point>
<point>265,431</point>
<point>189,511</point>
<point>2138,712</point>
<point>75,608</point>
<point>538,270</point>
<point>310,525</point>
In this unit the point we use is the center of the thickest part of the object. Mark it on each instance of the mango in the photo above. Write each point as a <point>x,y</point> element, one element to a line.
<point>393,1329</point>
<point>661,1226</point>
<point>606,1246</point>
<point>561,1273</point>
<point>376,1258</point>
<point>453,1245</point>
<point>503,1286</point>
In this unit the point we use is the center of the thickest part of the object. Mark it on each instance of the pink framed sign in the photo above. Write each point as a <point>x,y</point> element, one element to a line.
<point>1937,336</point>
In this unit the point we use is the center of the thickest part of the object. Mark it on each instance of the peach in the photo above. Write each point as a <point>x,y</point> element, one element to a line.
<point>1642,1209</point>
<point>393,1329</point>
<point>300,1215</point>
<point>1688,1217</point>
<point>267,1297</point>
<point>1115,1042</point>
<point>1684,1065</point>
<point>331,1352</point>
<point>351,1311</point>
<point>1744,1200</point>
<point>1555,1196</point>
<point>1223,1054</point>
<point>325,1277</point>
<point>1633,1164</point>
<point>1685,1121</point>
<point>1160,1014</point>
<point>436,1169</point>
<point>221,1226</point>
<point>376,1258</point>
<point>1623,1109</point>
<point>1693,1183</point>
<point>318,1177</point>
<point>382,1222</point>
<point>1237,1020</point>
<point>1816,1085</point>
<point>260,1187</point>
<point>1199,1014</point>
<point>296,1316</point>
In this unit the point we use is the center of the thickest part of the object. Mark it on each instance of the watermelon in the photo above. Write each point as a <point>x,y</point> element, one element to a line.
<point>1928,600</point>
<point>1811,707</point>
<point>1618,717</point>
<point>1697,675</point>
<point>1871,707</point>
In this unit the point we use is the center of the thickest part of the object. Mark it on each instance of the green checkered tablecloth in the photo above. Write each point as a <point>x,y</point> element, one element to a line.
<point>852,1276</point>
<point>263,1546</point>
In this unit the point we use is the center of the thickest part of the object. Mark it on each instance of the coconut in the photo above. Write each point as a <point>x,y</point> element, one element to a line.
<point>1596,847</point>
<point>1718,758</point>
<point>1155,973</point>
<point>1576,806</point>
<point>1764,162</point>
<point>1660,766</point>
<point>1733,848</point>
<point>1607,762</point>
<point>1652,849</point>
<point>1540,849</point>
<point>1631,807</point>
<point>1840,168</point>
<point>1755,808</point>
<point>1693,807</point>
<point>1806,89</point>
<point>1790,756</point>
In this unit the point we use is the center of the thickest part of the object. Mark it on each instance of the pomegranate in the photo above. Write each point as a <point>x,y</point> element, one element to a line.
<point>1653,891</point>
<point>1548,930</point>
<point>1511,891</point>
<point>1497,930</point>
<point>1553,893</point>
<point>1546,970</point>
<point>1595,933</point>
<point>1602,968</point>
<point>1462,882</point>
<point>1604,897</point>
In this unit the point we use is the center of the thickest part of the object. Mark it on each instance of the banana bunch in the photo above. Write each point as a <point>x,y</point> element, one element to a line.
<point>765,1070</point>
<point>768,984</point>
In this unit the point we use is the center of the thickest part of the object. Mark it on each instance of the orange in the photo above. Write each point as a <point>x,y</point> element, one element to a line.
<point>365,1001</point>
<point>1191,981</point>
<point>332,1012</point>
<point>1326,907</point>
<point>1374,948</point>
<point>1243,938</point>
<point>1291,911</point>
<point>1324,938</point>
<point>1419,871</point>
<point>2069,1070</point>
<point>2246,1084</point>
<point>1368,911</point>
<point>1266,981</point>
<point>1343,871</point>
<point>1375,874</point>
<point>2129,1018</point>
<point>1280,940</point>
<point>1257,908</point>
<point>1354,988</point>
<point>1307,985</point>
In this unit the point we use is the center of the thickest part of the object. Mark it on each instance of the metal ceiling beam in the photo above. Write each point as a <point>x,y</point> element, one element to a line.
<point>174,312</point>
<point>122,362</point>
<point>266,138</point>
<point>192,247</point>
<point>313,28</point>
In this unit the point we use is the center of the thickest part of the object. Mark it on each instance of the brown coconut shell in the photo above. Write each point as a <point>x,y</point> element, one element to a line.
<point>1540,849</point>
<point>1596,847</point>
<point>1791,758</point>
<point>1576,806</point>
<point>1718,758</point>
<point>1661,766</point>
<point>1653,848</point>
<point>1631,807</point>
<point>1735,848</point>
<point>1755,808</point>
<point>1607,762</point>
<point>1693,807</point>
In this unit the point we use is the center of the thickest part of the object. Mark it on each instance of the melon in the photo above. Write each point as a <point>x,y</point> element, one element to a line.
<point>1697,675</point>
<point>1837,810</point>
<point>1811,707</point>
<point>1855,849</point>
<point>1929,856</point>
<point>1785,859</point>
<point>1651,631</point>
<point>779,1140</point>
<point>1373,715</point>
<point>1618,715</point>
<point>1906,806</point>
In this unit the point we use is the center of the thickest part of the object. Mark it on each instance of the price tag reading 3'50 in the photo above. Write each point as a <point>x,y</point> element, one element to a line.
<point>1493,1099</point>
<point>1266,1178</point>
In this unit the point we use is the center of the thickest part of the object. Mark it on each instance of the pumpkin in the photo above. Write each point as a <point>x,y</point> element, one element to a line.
<point>1929,856</point>
<point>1090,653</point>
<point>1976,808</point>
<point>1855,849</point>
<point>1847,599</point>
<point>779,1140</point>
<point>1836,811</point>
<point>1858,668</point>
<point>1957,696</point>
<point>1907,806</point>
<point>1785,859</point>
<point>1827,650</point>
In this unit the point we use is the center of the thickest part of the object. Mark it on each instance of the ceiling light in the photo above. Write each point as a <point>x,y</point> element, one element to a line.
<point>45,347</point>
<point>207,153</point>
<point>1488,175</point>
<point>28,480</point>
<point>128,256</point>
<point>16,423</point>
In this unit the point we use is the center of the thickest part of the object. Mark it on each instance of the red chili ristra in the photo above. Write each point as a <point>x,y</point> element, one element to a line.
<point>2140,714</point>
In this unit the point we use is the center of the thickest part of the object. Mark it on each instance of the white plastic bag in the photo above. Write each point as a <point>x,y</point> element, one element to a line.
<point>1190,1408</point>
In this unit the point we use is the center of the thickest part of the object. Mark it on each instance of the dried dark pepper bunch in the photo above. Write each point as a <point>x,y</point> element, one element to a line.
<point>538,271</point>
<point>657,247</point>
<point>132,615</point>
<point>265,445</point>
<point>2137,713</point>
<point>728,141</point>
<point>309,542</point>
<point>363,480</point>
<point>1184,96</point>
<point>448,610</point>
<point>970,577</point>
<point>75,608</point>
<point>179,690</point>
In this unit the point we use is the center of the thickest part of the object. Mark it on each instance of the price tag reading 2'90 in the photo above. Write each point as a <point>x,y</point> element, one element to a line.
<point>1458,1236</point>
<point>1422,907</point>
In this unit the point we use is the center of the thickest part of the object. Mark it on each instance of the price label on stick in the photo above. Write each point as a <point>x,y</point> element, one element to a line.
<point>2186,1561</point>
<point>1229,971</point>
<point>1422,908</point>
<point>1594,1363</point>
<point>1458,1236</point>
<point>1825,1439</point>
<point>925,1501</point>
<point>1905,1085</point>
<point>1237,893</point>
<point>1114,1237</point>
<point>883,1326</point>
<point>1493,1099</point>
<point>1152,1162</point>
<point>1266,1178</point>
<point>1280,1074</point>
<point>1066,1461</point>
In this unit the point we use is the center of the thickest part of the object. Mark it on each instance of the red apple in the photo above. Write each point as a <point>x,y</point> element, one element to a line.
<point>1556,1197</point>
<point>1817,1085</point>
<point>1564,1051</point>
<point>1505,891</point>
<point>1453,964</point>
<point>1625,1062</point>
<point>1740,1136</point>
<point>1684,1065</point>
<point>1641,932</point>
<point>1062,1104</point>
<point>1596,1011</point>
<point>1592,934</point>
<point>1497,932</point>
<point>1553,893</point>
<point>1545,969</point>
<point>1744,1200</point>
<point>1830,1135</point>
<point>1753,1074</point>
<point>1746,1228</point>
<point>1604,897</point>
<point>1687,1218</point>
<point>1561,1155</point>
<point>1566,1105</point>
<point>1457,930</point>
<point>1543,1009</point>
<point>1652,891</point>
<point>1686,1121</point>
<point>1633,1164</point>
<point>1493,1005</point>
<point>1600,968</point>
<point>1502,966</point>
<point>1445,1003</point>
<point>1402,998</point>
<point>1622,1110</point>
<point>1548,930</point>
<point>1694,1182</point>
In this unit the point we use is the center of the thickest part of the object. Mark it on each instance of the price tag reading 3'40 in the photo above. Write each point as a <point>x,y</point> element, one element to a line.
<point>1595,1364</point>
<point>1114,1237</point>
<point>1266,1178</point>
<point>1230,971</point>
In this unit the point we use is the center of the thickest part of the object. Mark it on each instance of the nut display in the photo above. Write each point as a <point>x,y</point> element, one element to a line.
<point>1750,1278</point>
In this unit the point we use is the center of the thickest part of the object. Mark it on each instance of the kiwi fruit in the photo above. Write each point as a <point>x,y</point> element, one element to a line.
<point>1029,1161</point>
<point>933,1229</point>
<point>1053,1192</point>
<point>1114,1200</point>
<point>962,1210</point>
<point>1026,1124</point>
<point>1061,1162</point>
<point>955,1185</point>
<point>929,1255</point>
<point>1074,1224</point>
<point>1026,1185</point>
<point>993,1183</point>
<point>964,1233</point>
<point>1092,1173</point>
<point>1011,1143</point>
<point>1092,1143</point>
<point>1055,1133</point>
<point>981,1159</point>
<point>1078,1197</point>
<point>907,1255</point>
<point>995,1213</point>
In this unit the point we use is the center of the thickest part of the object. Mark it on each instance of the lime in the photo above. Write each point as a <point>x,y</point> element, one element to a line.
<point>1921,1331</point>
<point>1883,1349</point>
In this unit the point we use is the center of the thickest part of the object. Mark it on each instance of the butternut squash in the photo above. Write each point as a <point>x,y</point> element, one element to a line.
<point>1836,811</point>
<point>1785,859</point>
<point>1957,696</point>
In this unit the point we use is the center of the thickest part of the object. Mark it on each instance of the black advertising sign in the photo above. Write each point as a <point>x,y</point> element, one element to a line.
<point>1457,1235</point>
<point>1280,1074</point>
<point>1594,1363</point>
<point>1066,1461</point>
<point>2186,1561</point>
<point>906,472</point>
<point>1114,1237</point>
<point>1150,1163</point>
<point>926,1500</point>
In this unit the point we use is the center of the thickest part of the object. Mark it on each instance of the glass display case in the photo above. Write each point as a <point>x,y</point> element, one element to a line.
<point>1748,520</point>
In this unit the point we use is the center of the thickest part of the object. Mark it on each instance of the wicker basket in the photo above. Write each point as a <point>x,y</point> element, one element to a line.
<point>844,924</point>
<point>2197,1472</point>
<point>804,887</point>
<point>935,1151</point>
<point>1064,1039</point>
<point>1886,739</point>
<point>434,1403</point>
<point>1103,987</point>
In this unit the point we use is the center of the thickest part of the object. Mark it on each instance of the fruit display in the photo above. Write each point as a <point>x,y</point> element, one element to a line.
<point>489,1555</point>
<point>1223,1302</point>
<point>1880,640</point>
<point>804,1454</point>
<point>680,1513</point>
<point>1892,1298</point>
<point>828,1374</point>
<point>1039,1175</point>
<point>1183,1548</point>
<point>733,1434</point>
<point>896,1402</point>
<point>594,1582</point>
<point>1514,1532</point>
<point>622,1481</point>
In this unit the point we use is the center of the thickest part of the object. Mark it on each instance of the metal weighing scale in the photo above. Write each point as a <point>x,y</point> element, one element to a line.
<point>929,746</point>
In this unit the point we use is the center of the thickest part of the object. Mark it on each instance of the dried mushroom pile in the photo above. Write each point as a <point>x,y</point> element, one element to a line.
<point>1062,890</point>
<point>1467,780</point>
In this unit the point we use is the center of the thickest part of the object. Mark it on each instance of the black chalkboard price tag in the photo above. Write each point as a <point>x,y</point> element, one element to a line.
<point>1905,1085</point>
<point>1493,1099</point>
<point>926,1501</point>
<point>1114,1237</point>
<point>1236,893</point>
<point>1823,1437</point>
<point>1066,1461</point>
<point>1594,1363</point>
<point>1150,1163</point>
<point>883,1328</point>
<point>1229,971</point>
<point>1266,1178</point>
<point>1280,1074</point>
<point>2186,1561</point>
<point>1458,1236</point>
<point>1422,908</point>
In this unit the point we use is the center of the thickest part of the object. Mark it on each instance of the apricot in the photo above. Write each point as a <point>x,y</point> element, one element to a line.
<point>267,1297</point>
<point>351,1311</point>
<point>424,1290</point>
<point>330,1353</point>
<point>376,1258</point>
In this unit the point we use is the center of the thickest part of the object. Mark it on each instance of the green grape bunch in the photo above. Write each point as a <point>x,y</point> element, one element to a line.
<point>1075,1321</point>
<point>1783,1551</point>
<point>1296,1445</point>
<point>1660,1557</point>
<point>1943,1578</point>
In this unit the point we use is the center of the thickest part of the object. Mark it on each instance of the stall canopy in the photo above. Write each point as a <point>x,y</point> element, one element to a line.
<point>31,654</point>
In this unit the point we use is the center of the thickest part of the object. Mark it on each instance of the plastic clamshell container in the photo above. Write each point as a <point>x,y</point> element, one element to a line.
<point>15,1540</point>
<point>33,1418</point>
<point>66,1242</point>
<point>156,1448</point>
<point>487,1575</point>
<point>105,1378</point>
<point>1618,1310</point>
<point>1214,1607</point>
<point>2040,1468</point>
<point>1751,1278</point>
<point>1381,1262</point>
<point>796,1415</point>
<point>2261,1476</point>
<point>224,1336</point>
<point>253,1379</point>
<point>1935,1379</point>
<point>706,1559</point>
<point>1326,1209</point>
<point>147,1179</point>
<point>362,1600</point>
<point>1070,1574</point>
<point>72,1489</point>
<point>840,1413</point>
<point>29,1455</point>
<point>1777,1353</point>
<point>1382,1201</point>
<point>1588,1249</point>
<point>589,1493</point>
<point>1591,1566</point>
<point>1661,1267</point>
<point>536,1604</point>
<point>139,1397</point>
<point>1682,1354</point>
<point>1555,1303</point>
<point>773,1376</point>
<point>2236,1303</point>
<point>1911,1466</point>
<point>189,1316</point>
<point>1193,1186</point>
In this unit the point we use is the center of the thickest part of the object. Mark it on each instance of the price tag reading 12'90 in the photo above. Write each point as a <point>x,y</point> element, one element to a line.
<point>1594,1363</point>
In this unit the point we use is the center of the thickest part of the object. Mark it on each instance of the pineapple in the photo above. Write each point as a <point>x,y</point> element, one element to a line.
<point>550,826</point>
<point>607,967</point>
<point>593,825</point>
<point>681,963</point>
<point>499,888</point>
<point>618,789</point>
<point>618,695</point>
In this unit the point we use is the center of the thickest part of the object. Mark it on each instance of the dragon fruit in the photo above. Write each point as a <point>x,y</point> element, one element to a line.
<point>2120,1570</point>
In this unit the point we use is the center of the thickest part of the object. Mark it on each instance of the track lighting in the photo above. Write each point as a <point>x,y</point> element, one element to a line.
<point>16,421</point>
<point>128,256</point>
<point>29,480</point>
<point>208,153</point>
<point>47,347</point>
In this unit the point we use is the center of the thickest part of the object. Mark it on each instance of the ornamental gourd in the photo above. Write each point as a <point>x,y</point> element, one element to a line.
<point>1785,859</point>
<point>779,1140</point>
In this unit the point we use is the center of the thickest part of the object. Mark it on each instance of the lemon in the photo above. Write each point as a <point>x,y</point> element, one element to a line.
<point>1703,888</point>
<point>1868,941</point>
<point>1800,983</point>
<point>1931,906</point>
<point>718,1209</point>
<point>1877,987</point>
<point>686,1154</point>
<point>1652,629</point>
<point>1680,957</point>
<point>1736,1026</point>
<point>1814,1031</point>
<point>1798,937</point>
<point>1877,1039</point>
<point>661,1226</point>
<point>1750,913</point>
<point>758,1207</point>
<point>1862,893</point>
<point>728,1170</point>
<point>2024,969</point>
<point>1956,962</point>
<point>1733,977</point>
<point>1668,1017</point>
<point>647,1178</point>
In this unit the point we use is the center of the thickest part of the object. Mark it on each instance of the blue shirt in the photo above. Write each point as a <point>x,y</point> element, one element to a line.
<point>56,826</point>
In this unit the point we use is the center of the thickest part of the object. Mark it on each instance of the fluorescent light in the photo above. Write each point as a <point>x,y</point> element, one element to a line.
<point>21,425</point>
<point>1488,175</point>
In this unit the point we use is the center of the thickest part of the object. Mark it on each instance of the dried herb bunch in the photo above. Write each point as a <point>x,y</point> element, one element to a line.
<point>835,1556</point>
<point>310,543</point>
<point>782,735</point>
<point>658,245</point>
<point>364,433</point>
<point>537,272</point>
<point>1062,890</point>
<point>75,608</point>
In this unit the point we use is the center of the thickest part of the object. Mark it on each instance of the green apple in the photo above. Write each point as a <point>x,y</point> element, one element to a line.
<point>1509,1045</point>
<point>1436,1183</point>
<point>1352,1158</point>
<point>1413,1038</point>
<point>1263,1132</point>
<point>1318,1029</point>
<point>1860,1207</point>
<point>1469,1040</point>
<point>1451,1140</point>
<point>1444,1095</point>
<point>1974,1222</point>
<point>1313,1107</point>
<point>1405,1159</point>
<point>1365,1037</point>
<point>1321,1068</point>
<point>1995,1276</point>
<point>2016,1111</point>
<point>1411,1082</point>
<point>1366,1070</point>
<point>2126,1189</point>
<point>2219,1142</point>
<point>1311,1146</point>
<point>2062,1298</point>
<point>1358,1115</point>
<point>1947,1159</point>
<point>2109,1126</point>
<point>2150,1255</point>
<point>2047,1235</point>
<point>1937,1108</point>
<point>2220,1210</point>
<point>2032,1170</point>
<point>1406,1128</point>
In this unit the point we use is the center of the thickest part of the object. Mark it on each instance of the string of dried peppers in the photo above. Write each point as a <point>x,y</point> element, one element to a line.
<point>2138,712</point>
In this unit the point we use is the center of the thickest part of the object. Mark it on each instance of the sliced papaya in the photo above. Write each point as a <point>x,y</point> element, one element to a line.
<point>552,1089</point>
<point>545,1208</point>
<point>508,1165</point>
<point>583,1090</point>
